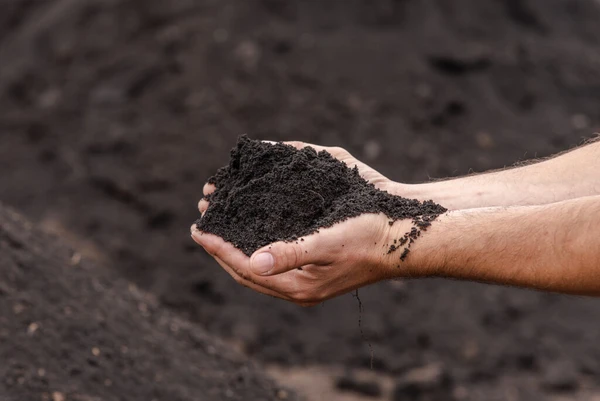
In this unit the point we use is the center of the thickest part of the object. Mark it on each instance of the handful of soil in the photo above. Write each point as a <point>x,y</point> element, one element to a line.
<point>275,192</point>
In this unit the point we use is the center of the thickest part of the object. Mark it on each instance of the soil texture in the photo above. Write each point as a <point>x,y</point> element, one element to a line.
<point>114,113</point>
<point>275,192</point>
<point>72,331</point>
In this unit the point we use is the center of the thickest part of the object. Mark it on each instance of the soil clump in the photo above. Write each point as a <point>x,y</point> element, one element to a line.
<point>275,192</point>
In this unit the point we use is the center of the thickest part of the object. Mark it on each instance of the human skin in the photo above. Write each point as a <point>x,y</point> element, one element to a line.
<point>571,175</point>
<point>536,226</point>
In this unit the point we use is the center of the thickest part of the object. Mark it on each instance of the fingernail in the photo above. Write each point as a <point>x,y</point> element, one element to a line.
<point>263,263</point>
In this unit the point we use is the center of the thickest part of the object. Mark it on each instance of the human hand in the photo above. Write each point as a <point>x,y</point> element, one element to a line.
<point>333,261</point>
<point>323,265</point>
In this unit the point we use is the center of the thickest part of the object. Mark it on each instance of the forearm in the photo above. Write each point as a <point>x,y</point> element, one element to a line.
<point>568,176</point>
<point>552,247</point>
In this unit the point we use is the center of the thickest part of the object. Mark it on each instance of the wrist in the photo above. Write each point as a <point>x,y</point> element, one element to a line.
<point>403,258</point>
<point>430,253</point>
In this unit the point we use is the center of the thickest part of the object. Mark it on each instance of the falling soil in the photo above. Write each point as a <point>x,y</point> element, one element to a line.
<point>275,192</point>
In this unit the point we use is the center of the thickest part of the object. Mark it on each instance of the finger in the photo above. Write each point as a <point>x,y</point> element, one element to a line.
<point>202,205</point>
<point>200,240</point>
<point>281,257</point>
<point>208,189</point>
<point>261,289</point>
<point>249,284</point>
<point>225,251</point>
<point>239,263</point>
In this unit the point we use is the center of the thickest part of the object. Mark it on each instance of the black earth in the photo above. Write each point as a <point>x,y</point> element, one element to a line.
<point>113,114</point>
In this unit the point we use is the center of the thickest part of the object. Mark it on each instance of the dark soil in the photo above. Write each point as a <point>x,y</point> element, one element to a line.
<point>366,388</point>
<point>71,331</point>
<point>271,193</point>
<point>114,113</point>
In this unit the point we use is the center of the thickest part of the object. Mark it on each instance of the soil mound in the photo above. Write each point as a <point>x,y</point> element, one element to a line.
<point>69,331</point>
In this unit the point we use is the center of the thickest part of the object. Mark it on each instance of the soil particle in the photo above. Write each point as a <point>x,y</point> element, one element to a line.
<point>412,235</point>
<point>275,192</point>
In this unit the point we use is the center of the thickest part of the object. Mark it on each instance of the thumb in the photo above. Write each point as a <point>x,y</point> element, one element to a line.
<point>281,257</point>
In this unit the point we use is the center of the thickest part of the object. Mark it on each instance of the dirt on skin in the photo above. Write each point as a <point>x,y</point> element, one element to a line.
<point>71,331</point>
<point>275,192</point>
<point>113,114</point>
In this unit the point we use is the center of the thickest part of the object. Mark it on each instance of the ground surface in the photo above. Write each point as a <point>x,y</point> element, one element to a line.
<point>71,331</point>
<point>114,112</point>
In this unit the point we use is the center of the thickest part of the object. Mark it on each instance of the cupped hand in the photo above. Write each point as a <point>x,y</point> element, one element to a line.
<point>333,261</point>
<point>317,267</point>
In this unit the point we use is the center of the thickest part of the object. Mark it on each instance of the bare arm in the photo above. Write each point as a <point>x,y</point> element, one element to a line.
<point>549,237</point>
<point>571,175</point>
<point>552,247</point>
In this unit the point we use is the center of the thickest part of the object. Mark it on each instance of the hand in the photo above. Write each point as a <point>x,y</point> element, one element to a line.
<point>333,261</point>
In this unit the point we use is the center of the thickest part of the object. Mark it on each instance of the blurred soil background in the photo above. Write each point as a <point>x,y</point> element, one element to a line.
<point>73,331</point>
<point>113,113</point>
